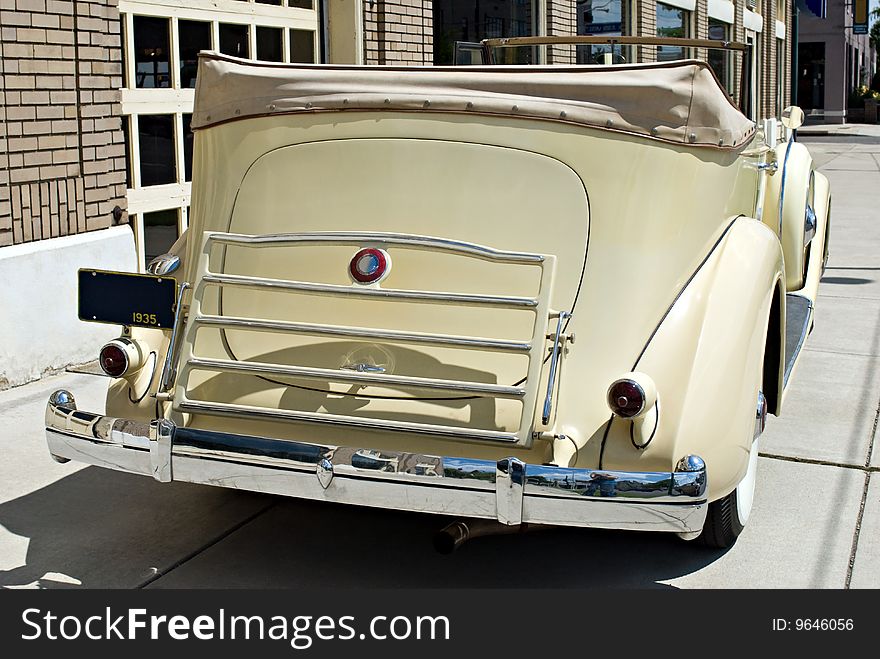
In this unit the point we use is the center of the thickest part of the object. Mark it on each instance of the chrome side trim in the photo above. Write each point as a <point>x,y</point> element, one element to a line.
<point>363,377</point>
<point>169,369</point>
<point>430,297</point>
<point>782,185</point>
<point>376,238</point>
<point>233,322</point>
<point>508,490</point>
<point>554,363</point>
<point>233,409</point>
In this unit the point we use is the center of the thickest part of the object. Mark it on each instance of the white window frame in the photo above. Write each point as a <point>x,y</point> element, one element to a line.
<point>176,101</point>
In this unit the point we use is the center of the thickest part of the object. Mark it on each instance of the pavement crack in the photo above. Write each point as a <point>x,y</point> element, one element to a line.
<point>863,502</point>
<point>829,351</point>
<point>813,461</point>
<point>207,545</point>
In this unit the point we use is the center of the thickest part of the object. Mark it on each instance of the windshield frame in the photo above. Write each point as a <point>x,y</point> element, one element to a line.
<point>488,47</point>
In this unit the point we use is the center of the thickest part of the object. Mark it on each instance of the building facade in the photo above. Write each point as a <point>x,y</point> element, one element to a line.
<point>97,96</point>
<point>833,62</point>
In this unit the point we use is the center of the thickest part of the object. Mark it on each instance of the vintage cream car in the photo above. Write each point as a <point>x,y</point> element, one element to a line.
<point>531,295</point>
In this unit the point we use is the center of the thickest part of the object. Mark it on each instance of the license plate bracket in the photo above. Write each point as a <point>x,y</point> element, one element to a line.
<point>126,298</point>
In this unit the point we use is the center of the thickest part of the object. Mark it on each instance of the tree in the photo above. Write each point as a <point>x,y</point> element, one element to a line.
<point>875,29</point>
<point>874,36</point>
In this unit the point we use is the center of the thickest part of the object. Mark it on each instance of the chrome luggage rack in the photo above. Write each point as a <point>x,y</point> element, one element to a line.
<point>534,346</point>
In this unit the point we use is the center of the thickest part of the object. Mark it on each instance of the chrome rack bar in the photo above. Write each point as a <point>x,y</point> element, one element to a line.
<point>355,377</point>
<point>383,293</point>
<point>234,409</point>
<point>168,369</point>
<point>554,362</point>
<point>476,343</point>
<point>402,239</point>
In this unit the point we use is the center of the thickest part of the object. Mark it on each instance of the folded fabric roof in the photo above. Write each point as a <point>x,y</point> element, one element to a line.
<point>680,102</point>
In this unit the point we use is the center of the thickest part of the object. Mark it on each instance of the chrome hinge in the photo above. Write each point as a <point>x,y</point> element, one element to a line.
<point>765,166</point>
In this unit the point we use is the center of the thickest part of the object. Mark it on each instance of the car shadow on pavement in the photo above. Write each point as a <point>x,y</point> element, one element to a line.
<point>320,544</point>
<point>104,529</point>
<point>846,280</point>
<point>99,528</point>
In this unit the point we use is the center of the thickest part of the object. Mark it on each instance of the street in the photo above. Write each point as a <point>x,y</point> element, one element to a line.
<point>815,523</point>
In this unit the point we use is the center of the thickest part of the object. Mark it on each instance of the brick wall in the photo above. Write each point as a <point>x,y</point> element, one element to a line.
<point>62,156</point>
<point>398,32</point>
<point>701,26</point>
<point>561,21</point>
<point>645,14</point>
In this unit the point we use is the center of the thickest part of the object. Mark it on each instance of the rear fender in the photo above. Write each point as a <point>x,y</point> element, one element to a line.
<point>706,358</point>
<point>788,192</point>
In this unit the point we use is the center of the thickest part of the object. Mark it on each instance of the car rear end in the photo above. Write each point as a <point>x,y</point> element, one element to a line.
<point>378,303</point>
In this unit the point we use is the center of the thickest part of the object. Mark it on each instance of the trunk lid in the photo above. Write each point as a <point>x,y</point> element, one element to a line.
<point>486,245</point>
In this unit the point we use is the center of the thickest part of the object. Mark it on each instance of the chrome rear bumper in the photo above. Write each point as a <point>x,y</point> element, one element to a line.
<point>508,490</point>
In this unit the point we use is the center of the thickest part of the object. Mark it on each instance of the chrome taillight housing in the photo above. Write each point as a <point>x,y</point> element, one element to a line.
<point>632,396</point>
<point>120,357</point>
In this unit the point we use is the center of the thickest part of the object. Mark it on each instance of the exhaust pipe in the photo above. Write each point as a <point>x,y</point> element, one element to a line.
<point>453,536</point>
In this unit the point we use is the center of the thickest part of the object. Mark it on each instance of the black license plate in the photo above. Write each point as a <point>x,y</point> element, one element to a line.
<point>123,298</point>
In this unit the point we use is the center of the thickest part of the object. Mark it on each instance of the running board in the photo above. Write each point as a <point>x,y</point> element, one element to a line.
<point>798,315</point>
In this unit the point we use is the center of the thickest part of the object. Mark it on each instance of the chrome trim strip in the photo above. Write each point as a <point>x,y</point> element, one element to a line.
<point>782,185</point>
<point>379,238</point>
<point>554,362</point>
<point>508,489</point>
<point>382,293</point>
<point>802,338</point>
<point>234,322</point>
<point>169,369</point>
<point>232,409</point>
<point>364,377</point>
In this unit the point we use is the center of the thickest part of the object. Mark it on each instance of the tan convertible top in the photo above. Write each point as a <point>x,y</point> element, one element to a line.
<point>679,102</point>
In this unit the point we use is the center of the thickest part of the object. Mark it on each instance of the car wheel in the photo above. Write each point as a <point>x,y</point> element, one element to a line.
<point>727,517</point>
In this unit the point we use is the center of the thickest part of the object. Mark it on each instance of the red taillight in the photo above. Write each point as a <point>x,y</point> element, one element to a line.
<point>369,265</point>
<point>626,398</point>
<point>113,360</point>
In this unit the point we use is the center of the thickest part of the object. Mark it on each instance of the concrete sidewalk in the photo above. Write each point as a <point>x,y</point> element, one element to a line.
<point>816,521</point>
<point>839,130</point>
